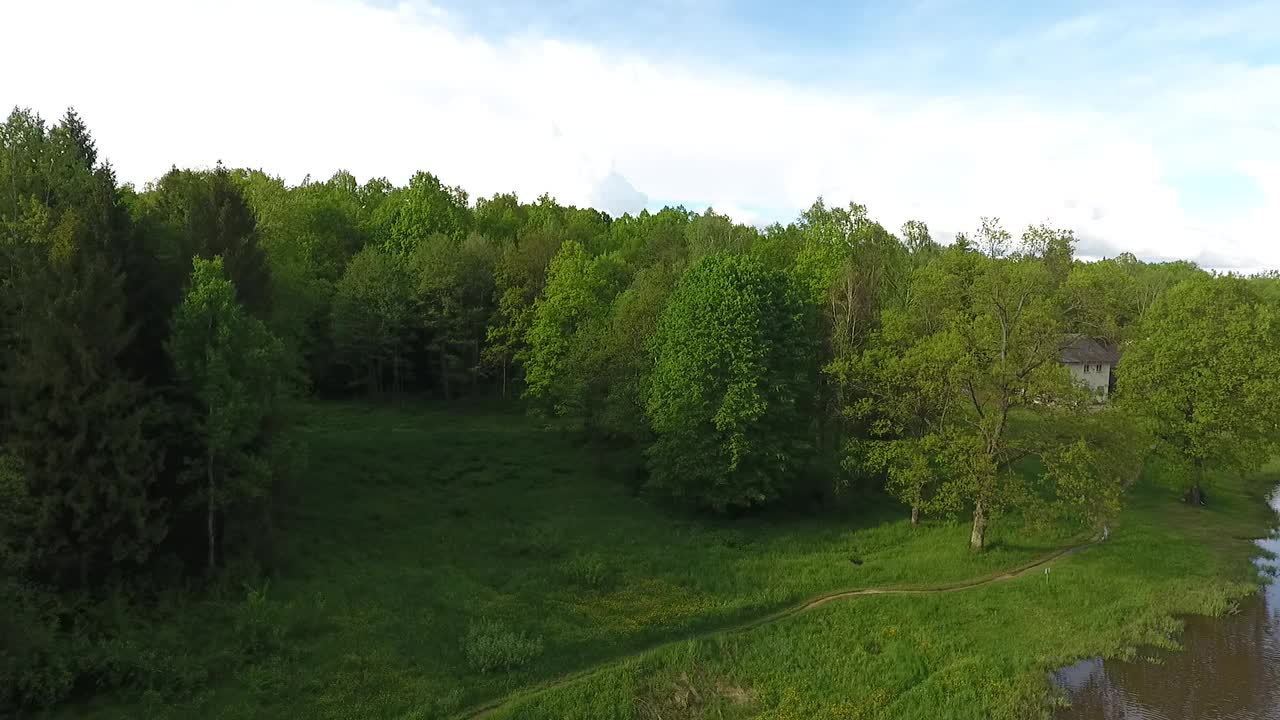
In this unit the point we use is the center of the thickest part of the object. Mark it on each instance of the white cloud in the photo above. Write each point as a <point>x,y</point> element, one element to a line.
<point>310,86</point>
<point>616,196</point>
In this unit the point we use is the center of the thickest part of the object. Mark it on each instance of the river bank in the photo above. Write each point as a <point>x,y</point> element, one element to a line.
<point>1225,667</point>
<point>983,654</point>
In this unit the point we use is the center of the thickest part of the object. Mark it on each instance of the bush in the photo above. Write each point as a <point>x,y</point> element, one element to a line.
<point>50,645</point>
<point>590,570</point>
<point>260,624</point>
<point>139,663</point>
<point>39,663</point>
<point>490,645</point>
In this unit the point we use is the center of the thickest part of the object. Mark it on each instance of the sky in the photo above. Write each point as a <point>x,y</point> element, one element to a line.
<point>1149,127</point>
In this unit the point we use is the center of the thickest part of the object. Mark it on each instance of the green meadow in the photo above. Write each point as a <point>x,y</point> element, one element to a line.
<point>439,562</point>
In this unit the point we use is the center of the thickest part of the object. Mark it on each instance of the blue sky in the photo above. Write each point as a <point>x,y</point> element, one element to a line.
<point>1082,56</point>
<point>1145,126</point>
<point>926,46</point>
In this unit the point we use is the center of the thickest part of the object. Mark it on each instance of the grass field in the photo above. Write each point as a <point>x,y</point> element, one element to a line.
<point>440,559</point>
<point>984,653</point>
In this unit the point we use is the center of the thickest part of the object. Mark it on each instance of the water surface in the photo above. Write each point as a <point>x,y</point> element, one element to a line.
<point>1229,669</point>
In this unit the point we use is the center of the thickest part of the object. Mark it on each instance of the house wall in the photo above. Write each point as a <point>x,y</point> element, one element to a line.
<point>1095,376</point>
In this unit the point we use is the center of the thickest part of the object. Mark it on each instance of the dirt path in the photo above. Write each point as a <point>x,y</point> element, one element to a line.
<point>488,708</point>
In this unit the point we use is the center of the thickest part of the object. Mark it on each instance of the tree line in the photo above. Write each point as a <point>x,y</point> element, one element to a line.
<point>152,342</point>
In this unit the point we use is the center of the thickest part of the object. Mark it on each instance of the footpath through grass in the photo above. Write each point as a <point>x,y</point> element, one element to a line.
<point>982,653</point>
<point>438,558</point>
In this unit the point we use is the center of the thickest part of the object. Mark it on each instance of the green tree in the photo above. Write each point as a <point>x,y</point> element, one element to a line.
<point>1203,370</point>
<point>621,363</point>
<point>234,370</point>
<point>711,233</point>
<point>994,326</point>
<point>1102,299</point>
<point>1056,248</point>
<point>76,420</point>
<point>302,263</point>
<point>648,239</point>
<point>373,315</point>
<point>907,384</point>
<point>380,204</point>
<point>500,217</point>
<point>428,207</point>
<point>1090,459</point>
<point>79,427</point>
<point>205,214</point>
<point>852,268</point>
<point>587,226</point>
<point>455,296</point>
<point>1009,340</point>
<point>520,277</point>
<point>568,320</point>
<point>779,245</point>
<point>1154,279</point>
<point>732,386</point>
<point>919,243</point>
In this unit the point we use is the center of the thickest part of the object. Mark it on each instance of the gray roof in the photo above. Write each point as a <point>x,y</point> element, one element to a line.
<point>1084,349</point>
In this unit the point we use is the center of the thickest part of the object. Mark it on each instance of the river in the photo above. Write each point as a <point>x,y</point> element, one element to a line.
<point>1229,669</point>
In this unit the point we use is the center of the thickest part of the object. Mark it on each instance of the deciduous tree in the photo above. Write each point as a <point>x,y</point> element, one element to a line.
<point>373,315</point>
<point>732,390</point>
<point>1203,370</point>
<point>234,370</point>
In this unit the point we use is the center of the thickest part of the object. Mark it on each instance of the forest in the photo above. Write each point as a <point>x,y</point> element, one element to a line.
<point>254,435</point>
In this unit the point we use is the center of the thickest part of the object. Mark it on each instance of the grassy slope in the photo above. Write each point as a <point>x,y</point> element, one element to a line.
<point>415,522</point>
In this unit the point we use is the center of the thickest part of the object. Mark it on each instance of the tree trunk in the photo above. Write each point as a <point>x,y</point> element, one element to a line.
<point>915,514</point>
<point>444,372</point>
<point>504,376</point>
<point>209,517</point>
<point>1195,496</point>
<point>820,427</point>
<point>475,368</point>
<point>978,539</point>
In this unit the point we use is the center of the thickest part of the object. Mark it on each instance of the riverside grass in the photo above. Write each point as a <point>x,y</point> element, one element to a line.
<point>419,524</point>
<point>983,653</point>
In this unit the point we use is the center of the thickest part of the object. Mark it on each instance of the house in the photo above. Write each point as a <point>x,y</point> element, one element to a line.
<point>1091,362</point>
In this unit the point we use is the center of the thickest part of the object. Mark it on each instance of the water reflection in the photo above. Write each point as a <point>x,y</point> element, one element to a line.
<point>1229,670</point>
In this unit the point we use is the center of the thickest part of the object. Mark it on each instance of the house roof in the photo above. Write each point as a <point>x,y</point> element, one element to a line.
<point>1080,348</point>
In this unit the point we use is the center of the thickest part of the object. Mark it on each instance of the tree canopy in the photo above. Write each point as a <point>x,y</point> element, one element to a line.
<point>732,385</point>
<point>1203,371</point>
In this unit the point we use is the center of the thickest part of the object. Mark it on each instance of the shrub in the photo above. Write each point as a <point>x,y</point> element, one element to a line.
<point>590,570</point>
<point>266,677</point>
<point>38,662</point>
<point>50,645</point>
<point>490,645</point>
<point>142,663</point>
<point>260,625</point>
